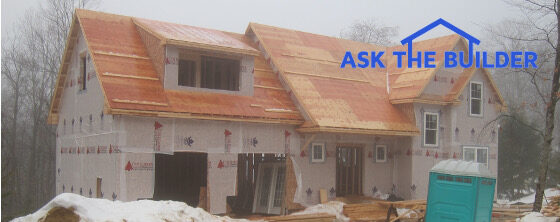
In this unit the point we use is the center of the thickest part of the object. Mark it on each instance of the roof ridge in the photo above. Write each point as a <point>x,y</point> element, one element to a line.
<point>328,36</point>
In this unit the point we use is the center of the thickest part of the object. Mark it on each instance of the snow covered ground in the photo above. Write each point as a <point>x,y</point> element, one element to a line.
<point>89,209</point>
<point>537,217</point>
<point>529,199</point>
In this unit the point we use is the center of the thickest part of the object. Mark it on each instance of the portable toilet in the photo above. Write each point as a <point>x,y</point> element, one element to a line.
<point>460,191</point>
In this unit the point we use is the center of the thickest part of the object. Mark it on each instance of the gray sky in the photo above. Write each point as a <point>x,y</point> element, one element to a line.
<point>327,17</point>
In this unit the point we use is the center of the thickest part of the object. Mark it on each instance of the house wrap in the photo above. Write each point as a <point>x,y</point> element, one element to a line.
<point>260,122</point>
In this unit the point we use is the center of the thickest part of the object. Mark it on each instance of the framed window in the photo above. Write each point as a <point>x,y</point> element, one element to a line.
<point>317,152</point>
<point>431,129</point>
<point>187,73</point>
<point>476,154</point>
<point>219,73</point>
<point>476,104</point>
<point>380,153</point>
<point>82,79</point>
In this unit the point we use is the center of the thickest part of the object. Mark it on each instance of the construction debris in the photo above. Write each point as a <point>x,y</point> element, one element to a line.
<point>383,210</point>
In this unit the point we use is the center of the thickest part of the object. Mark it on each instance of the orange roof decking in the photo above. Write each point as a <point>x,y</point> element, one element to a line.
<point>195,36</point>
<point>132,86</point>
<point>408,83</point>
<point>336,100</point>
<point>332,99</point>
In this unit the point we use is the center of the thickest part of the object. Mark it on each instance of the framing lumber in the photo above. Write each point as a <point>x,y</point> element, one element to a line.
<point>307,142</point>
<point>268,87</point>
<point>120,55</point>
<point>128,76</point>
<point>139,102</point>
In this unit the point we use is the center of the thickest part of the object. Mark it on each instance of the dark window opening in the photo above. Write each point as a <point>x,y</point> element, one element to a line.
<point>218,73</point>
<point>187,73</point>
<point>83,72</point>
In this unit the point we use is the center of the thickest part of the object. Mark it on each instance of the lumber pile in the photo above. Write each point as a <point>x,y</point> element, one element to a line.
<point>553,207</point>
<point>318,217</point>
<point>383,210</point>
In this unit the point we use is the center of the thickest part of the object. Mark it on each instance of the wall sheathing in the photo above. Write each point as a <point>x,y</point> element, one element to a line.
<point>379,176</point>
<point>207,136</point>
<point>83,147</point>
<point>457,129</point>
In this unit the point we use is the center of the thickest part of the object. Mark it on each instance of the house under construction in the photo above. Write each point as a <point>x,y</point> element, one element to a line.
<point>261,122</point>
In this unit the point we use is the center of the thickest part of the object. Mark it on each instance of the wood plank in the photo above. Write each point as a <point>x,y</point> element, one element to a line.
<point>323,195</point>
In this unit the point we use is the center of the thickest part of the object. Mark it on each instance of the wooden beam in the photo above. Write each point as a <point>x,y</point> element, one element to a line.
<point>269,87</point>
<point>307,142</point>
<point>121,55</point>
<point>139,102</point>
<point>129,76</point>
<point>281,111</point>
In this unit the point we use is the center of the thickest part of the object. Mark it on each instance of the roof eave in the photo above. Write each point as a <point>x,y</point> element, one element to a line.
<point>131,112</point>
<point>320,129</point>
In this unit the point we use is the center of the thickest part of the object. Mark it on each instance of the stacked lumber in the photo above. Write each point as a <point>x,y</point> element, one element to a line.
<point>380,210</point>
<point>318,217</point>
<point>553,207</point>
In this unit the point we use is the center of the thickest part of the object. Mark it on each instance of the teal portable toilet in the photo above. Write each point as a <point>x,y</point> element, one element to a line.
<point>460,191</point>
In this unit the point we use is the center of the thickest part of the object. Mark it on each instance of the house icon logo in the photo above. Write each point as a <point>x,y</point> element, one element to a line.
<point>452,59</point>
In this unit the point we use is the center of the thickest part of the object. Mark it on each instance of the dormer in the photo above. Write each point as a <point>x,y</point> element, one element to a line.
<point>198,59</point>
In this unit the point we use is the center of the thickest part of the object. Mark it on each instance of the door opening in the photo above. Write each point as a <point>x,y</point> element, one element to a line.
<point>349,171</point>
<point>180,177</point>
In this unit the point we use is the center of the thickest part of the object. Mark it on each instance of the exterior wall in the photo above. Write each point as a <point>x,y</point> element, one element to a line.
<point>172,69</point>
<point>207,136</point>
<point>456,129</point>
<point>382,176</point>
<point>77,167</point>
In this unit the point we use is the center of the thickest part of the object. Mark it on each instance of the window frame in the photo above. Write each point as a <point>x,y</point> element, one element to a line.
<point>201,80</point>
<point>476,148</point>
<point>481,98</point>
<point>425,128</point>
<point>323,150</point>
<point>83,71</point>
<point>384,147</point>
<point>196,74</point>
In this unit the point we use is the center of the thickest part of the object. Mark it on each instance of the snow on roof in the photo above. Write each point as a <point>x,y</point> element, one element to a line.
<point>91,209</point>
<point>463,168</point>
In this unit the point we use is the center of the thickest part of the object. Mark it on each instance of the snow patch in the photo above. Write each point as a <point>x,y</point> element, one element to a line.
<point>529,199</point>
<point>90,209</point>
<point>536,217</point>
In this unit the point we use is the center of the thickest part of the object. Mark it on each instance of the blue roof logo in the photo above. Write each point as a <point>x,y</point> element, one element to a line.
<point>452,59</point>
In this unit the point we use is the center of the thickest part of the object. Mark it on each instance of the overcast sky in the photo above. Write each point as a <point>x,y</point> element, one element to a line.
<point>327,17</point>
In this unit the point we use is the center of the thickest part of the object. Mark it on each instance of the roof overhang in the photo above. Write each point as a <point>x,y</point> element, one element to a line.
<point>162,114</point>
<point>322,129</point>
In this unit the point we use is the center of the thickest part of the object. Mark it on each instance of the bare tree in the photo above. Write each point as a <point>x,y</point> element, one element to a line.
<point>537,30</point>
<point>371,31</point>
<point>31,56</point>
